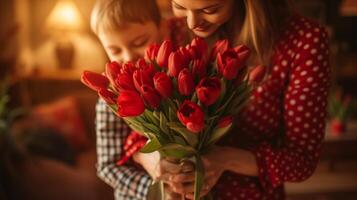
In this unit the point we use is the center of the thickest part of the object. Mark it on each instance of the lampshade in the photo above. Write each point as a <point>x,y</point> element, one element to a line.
<point>348,8</point>
<point>65,16</point>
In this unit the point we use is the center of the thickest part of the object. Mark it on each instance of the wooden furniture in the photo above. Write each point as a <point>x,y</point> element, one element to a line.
<point>340,148</point>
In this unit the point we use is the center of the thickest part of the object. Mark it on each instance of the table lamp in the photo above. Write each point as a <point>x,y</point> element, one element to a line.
<point>64,21</point>
<point>348,8</point>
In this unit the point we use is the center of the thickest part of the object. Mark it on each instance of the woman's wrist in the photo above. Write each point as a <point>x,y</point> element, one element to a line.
<point>240,161</point>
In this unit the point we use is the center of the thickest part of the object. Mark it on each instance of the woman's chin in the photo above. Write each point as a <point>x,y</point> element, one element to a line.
<point>203,34</point>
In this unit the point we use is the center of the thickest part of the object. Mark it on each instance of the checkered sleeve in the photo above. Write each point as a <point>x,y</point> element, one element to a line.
<point>129,182</point>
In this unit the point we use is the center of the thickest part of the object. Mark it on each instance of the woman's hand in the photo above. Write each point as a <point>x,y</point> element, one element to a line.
<point>148,161</point>
<point>214,165</point>
<point>161,169</point>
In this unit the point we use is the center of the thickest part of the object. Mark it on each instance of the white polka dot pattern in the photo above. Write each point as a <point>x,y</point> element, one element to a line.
<point>284,122</point>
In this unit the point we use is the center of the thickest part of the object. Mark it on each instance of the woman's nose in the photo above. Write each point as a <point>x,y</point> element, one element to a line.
<point>193,20</point>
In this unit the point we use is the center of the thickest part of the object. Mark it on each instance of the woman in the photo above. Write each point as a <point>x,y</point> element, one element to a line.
<point>278,136</point>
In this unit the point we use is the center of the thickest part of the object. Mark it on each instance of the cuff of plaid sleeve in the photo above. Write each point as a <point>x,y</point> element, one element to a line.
<point>133,143</point>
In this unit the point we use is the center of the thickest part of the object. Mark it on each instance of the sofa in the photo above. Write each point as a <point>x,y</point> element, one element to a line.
<point>67,106</point>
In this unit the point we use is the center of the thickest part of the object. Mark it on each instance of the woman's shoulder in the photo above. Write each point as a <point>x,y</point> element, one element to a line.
<point>301,34</point>
<point>303,29</point>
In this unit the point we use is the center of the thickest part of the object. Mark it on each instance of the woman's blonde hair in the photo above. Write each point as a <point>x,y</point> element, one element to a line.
<point>258,25</point>
<point>113,14</point>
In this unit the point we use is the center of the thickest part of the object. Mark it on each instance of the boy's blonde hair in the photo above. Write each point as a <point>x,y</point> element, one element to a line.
<point>114,14</point>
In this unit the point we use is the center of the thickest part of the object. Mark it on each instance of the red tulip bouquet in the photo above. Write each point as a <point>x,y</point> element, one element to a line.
<point>181,99</point>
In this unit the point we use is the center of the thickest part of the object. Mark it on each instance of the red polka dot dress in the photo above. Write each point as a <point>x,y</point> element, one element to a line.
<point>284,122</point>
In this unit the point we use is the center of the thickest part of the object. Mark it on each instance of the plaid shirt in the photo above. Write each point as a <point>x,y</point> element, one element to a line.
<point>129,182</point>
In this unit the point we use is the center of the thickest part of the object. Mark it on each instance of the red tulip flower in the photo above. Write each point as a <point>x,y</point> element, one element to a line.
<point>108,96</point>
<point>219,47</point>
<point>128,67</point>
<point>191,115</point>
<point>141,78</point>
<point>112,70</point>
<point>228,64</point>
<point>95,81</point>
<point>123,82</point>
<point>200,45</point>
<point>151,52</point>
<point>208,90</point>
<point>186,84</point>
<point>146,67</point>
<point>176,63</point>
<point>130,104</point>
<point>338,127</point>
<point>257,74</point>
<point>194,54</point>
<point>186,55</point>
<point>163,84</point>
<point>151,96</point>
<point>199,68</point>
<point>164,52</point>
<point>243,52</point>
<point>225,121</point>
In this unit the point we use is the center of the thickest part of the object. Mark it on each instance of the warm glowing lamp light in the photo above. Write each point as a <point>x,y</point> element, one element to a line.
<point>65,16</point>
<point>64,19</point>
<point>348,8</point>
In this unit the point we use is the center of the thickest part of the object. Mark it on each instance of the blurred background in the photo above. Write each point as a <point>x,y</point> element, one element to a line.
<point>47,134</point>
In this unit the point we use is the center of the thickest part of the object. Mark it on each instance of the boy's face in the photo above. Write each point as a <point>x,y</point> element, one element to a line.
<point>129,43</point>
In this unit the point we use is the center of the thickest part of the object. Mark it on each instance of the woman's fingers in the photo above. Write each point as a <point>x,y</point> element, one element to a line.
<point>206,188</point>
<point>187,166</point>
<point>174,166</point>
<point>170,194</point>
<point>183,177</point>
<point>202,194</point>
<point>170,166</point>
<point>166,168</point>
<point>182,188</point>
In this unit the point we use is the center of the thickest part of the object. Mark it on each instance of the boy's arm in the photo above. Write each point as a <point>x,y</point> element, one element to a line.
<point>111,134</point>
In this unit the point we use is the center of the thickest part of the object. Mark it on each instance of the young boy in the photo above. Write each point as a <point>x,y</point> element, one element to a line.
<point>125,28</point>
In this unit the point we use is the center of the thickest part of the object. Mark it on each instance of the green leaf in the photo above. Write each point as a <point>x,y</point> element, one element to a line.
<point>227,101</point>
<point>163,123</point>
<point>194,98</point>
<point>179,140</point>
<point>136,126</point>
<point>190,137</point>
<point>172,115</point>
<point>152,128</point>
<point>172,104</point>
<point>218,133</point>
<point>237,93</point>
<point>150,116</point>
<point>238,108</point>
<point>213,118</point>
<point>199,177</point>
<point>222,95</point>
<point>240,101</point>
<point>177,150</point>
<point>156,114</point>
<point>152,145</point>
<point>114,108</point>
